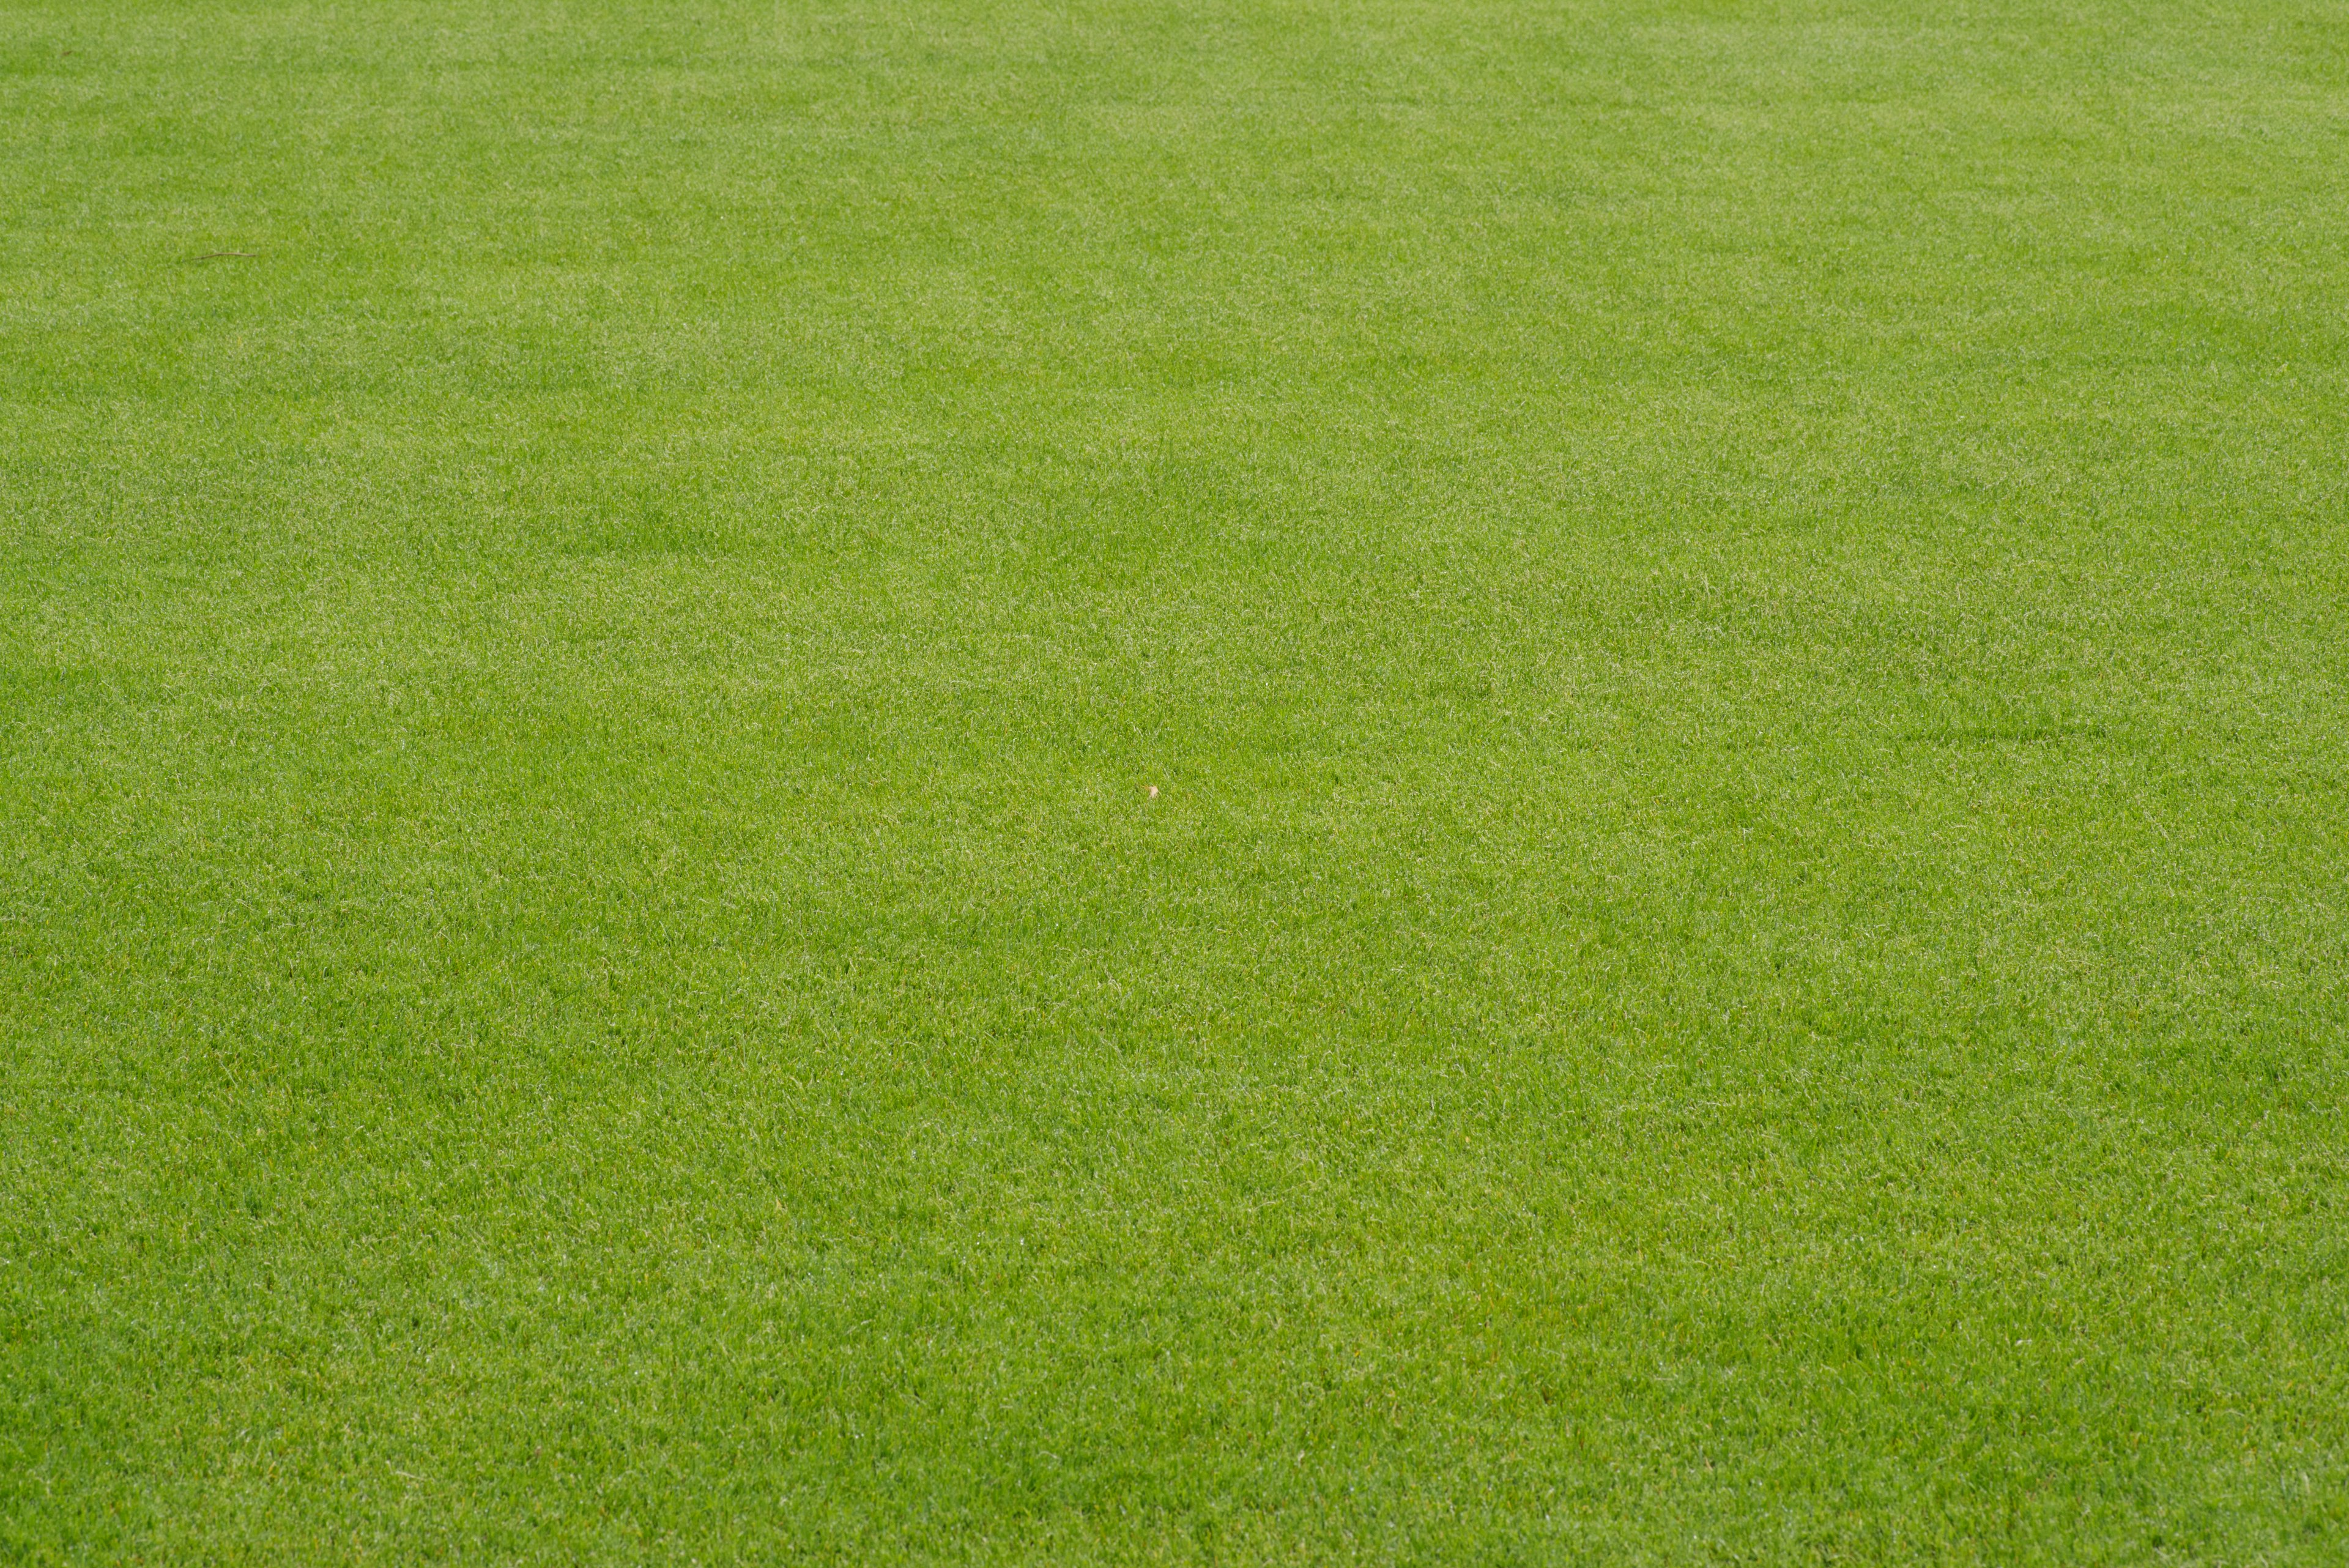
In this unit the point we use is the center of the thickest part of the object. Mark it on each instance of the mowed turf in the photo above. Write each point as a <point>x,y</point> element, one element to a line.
<point>1738,615</point>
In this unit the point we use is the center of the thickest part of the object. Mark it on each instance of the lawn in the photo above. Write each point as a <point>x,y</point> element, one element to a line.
<point>1234,782</point>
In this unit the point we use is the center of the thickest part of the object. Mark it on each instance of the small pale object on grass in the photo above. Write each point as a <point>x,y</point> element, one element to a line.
<point>1153,791</point>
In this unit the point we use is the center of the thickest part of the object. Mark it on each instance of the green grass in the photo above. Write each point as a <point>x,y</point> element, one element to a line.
<point>1737,616</point>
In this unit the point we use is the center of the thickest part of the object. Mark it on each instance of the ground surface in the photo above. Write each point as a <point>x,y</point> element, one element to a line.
<point>1736,612</point>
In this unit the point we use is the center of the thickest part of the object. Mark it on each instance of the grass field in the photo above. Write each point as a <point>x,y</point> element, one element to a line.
<point>1738,615</point>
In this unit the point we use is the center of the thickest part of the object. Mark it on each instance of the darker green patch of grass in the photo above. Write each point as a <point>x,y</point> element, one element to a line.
<point>2002,735</point>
